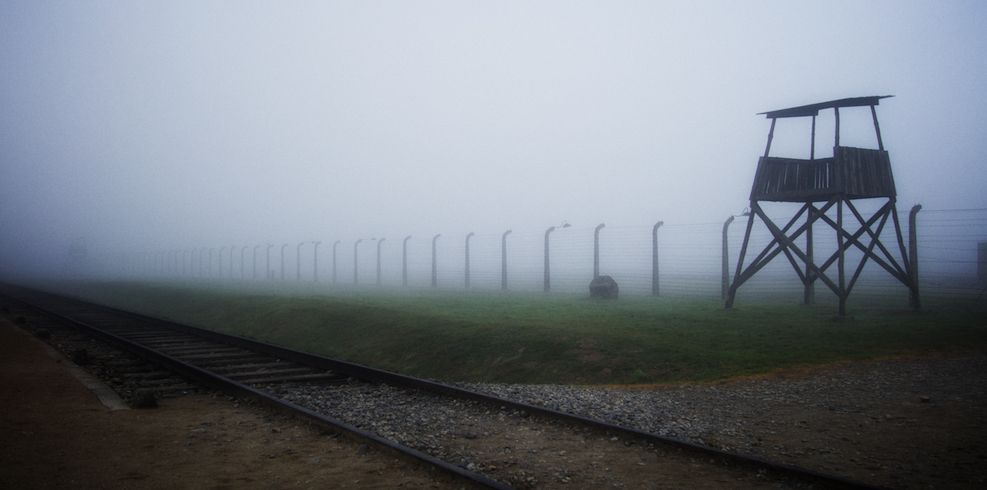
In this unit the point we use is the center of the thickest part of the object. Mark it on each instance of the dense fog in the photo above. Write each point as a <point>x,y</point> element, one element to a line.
<point>133,127</point>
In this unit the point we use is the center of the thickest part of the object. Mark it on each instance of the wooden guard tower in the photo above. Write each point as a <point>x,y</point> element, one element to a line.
<point>819,185</point>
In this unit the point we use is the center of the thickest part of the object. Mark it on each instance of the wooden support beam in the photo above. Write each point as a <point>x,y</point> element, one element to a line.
<point>888,207</point>
<point>841,261</point>
<point>877,128</point>
<point>732,293</point>
<point>854,240</point>
<point>809,291</point>
<point>784,240</point>
<point>867,254</point>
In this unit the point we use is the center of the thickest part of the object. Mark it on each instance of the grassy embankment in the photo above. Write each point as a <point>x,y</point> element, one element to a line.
<point>533,338</point>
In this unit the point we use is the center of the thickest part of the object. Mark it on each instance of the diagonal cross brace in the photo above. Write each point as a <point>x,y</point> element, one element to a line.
<point>868,253</point>
<point>770,251</point>
<point>854,239</point>
<point>904,271</point>
<point>784,241</point>
<point>781,242</point>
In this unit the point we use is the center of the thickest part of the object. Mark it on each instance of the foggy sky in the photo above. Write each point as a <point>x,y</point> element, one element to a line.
<point>192,123</point>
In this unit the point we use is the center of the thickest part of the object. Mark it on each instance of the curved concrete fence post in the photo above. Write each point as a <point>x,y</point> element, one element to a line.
<point>503,260</point>
<point>466,275</point>
<point>596,250</point>
<point>379,243</point>
<point>547,279</point>
<point>655,290</point>
<point>404,261</point>
<point>435,269</point>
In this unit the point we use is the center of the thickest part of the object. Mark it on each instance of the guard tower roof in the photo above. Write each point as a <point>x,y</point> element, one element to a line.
<point>813,109</point>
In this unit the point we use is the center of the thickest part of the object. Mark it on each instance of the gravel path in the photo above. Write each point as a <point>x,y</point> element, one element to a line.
<point>514,447</point>
<point>904,423</point>
<point>910,423</point>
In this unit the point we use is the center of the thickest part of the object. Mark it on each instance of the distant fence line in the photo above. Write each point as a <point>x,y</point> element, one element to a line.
<point>659,259</point>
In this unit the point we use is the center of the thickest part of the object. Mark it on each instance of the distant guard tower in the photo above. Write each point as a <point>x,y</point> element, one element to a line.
<point>819,185</point>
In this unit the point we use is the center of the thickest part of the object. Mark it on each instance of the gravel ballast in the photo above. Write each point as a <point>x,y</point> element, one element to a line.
<point>518,448</point>
<point>907,423</point>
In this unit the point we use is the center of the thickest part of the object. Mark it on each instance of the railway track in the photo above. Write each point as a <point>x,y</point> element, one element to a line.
<point>477,438</point>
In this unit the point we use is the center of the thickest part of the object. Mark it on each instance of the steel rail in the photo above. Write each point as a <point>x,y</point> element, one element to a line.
<point>227,385</point>
<point>367,373</point>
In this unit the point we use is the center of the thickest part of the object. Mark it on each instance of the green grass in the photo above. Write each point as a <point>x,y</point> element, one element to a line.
<point>534,338</point>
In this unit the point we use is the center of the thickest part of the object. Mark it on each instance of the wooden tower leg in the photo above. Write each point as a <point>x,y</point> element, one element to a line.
<point>732,291</point>
<point>841,260</point>
<point>810,289</point>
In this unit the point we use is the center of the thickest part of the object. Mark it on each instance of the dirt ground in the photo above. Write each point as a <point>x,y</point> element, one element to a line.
<point>56,434</point>
<point>917,422</point>
<point>901,423</point>
<point>209,442</point>
<point>904,423</point>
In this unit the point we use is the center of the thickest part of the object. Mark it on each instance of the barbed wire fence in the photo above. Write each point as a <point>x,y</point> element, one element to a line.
<point>952,260</point>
